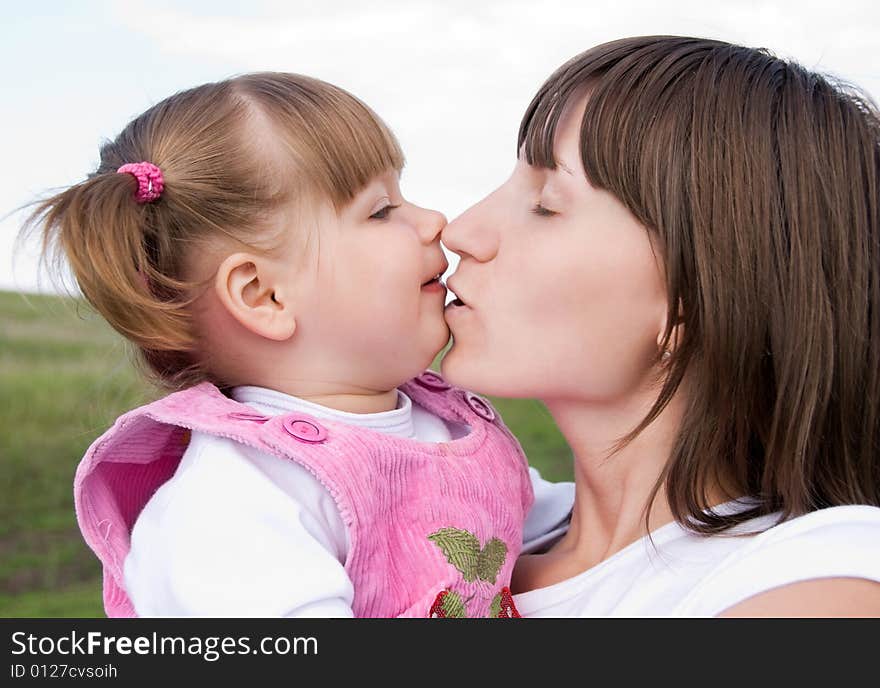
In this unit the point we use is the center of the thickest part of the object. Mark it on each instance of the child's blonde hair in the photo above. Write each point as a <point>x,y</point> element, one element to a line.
<point>230,153</point>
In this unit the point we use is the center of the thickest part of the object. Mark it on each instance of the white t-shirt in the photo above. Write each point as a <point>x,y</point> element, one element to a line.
<point>238,532</point>
<point>692,575</point>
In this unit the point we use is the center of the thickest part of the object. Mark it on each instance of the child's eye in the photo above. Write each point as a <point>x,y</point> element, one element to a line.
<point>383,213</point>
<point>542,211</point>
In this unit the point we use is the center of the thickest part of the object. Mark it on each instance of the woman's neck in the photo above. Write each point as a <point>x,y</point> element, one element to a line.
<point>613,489</point>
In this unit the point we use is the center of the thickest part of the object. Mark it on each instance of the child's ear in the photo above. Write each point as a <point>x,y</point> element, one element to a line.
<point>244,286</point>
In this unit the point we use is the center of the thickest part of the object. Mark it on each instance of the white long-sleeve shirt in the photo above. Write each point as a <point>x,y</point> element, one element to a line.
<point>236,532</point>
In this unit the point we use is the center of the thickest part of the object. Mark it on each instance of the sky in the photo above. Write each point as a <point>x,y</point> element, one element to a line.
<point>451,79</point>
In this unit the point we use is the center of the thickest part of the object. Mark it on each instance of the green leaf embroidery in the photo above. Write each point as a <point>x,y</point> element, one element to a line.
<point>491,560</point>
<point>461,549</point>
<point>495,607</point>
<point>453,607</point>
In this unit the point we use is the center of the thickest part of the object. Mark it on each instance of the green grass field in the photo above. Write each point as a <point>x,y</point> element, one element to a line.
<point>64,377</point>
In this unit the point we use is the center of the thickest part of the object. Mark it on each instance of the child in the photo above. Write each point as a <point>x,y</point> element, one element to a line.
<point>249,237</point>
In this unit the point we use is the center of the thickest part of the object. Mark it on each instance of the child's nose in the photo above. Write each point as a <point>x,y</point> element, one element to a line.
<point>431,225</point>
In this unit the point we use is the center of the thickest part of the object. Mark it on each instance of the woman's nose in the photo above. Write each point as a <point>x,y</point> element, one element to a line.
<point>468,234</point>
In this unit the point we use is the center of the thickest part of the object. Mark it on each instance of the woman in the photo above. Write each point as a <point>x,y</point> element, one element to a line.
<point>685,268</point>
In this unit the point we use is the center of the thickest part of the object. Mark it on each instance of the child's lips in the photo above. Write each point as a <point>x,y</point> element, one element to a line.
<point>434,285</point>
<point>437,274</point>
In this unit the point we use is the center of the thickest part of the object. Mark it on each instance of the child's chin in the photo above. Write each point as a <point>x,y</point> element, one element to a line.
<point>430,354</point>
<point>440,340</point>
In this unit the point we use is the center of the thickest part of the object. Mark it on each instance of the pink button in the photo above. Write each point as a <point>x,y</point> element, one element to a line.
<point>304,430</point>
<point>244,415</point>
<point>480,406</point>
<point>433,381</point>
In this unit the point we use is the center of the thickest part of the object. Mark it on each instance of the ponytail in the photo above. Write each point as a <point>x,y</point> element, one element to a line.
<point>108,239</point>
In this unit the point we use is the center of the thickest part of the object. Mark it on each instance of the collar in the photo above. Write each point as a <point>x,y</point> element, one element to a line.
<point>397,422</point>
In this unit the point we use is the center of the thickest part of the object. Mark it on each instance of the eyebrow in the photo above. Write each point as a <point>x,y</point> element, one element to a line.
<point>564,167</point>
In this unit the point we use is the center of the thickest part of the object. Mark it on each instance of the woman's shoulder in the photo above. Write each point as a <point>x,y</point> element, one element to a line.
<point>681,573</point>
<point>834,542</point>
<point>862,515</point>
<point>847,526</point>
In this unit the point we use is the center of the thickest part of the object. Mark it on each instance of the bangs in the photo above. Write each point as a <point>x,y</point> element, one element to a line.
<point>336,142</point>
<point>637,116</point>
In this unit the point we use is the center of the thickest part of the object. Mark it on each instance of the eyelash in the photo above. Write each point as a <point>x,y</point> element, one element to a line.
<point>541,211</point>
<point>382,213</point>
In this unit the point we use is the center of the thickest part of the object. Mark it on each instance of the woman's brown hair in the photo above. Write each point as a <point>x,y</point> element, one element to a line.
<point>230,153</point>
<point>758,180</point>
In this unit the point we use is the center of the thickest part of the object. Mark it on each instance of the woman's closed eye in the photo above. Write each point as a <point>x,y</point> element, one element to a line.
<point>539,209</point>
<point>383,212</point>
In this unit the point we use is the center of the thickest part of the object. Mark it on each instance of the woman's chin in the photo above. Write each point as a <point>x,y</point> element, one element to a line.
<point>465,370</point>
<point>449,364</point>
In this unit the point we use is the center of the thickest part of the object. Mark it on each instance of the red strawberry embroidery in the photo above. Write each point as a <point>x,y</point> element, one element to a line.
<point>508,608</point>
<point>447,605</point>
<point>437,608</point>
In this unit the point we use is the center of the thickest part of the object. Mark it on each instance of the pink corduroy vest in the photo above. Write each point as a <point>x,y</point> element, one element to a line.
<point>434,528</point>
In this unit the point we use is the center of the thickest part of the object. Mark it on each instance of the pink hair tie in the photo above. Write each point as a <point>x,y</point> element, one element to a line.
<point>149,179</point>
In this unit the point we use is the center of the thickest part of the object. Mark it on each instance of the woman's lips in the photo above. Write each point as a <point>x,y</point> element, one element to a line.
<point>458,302</point>
<point>456,311</point>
